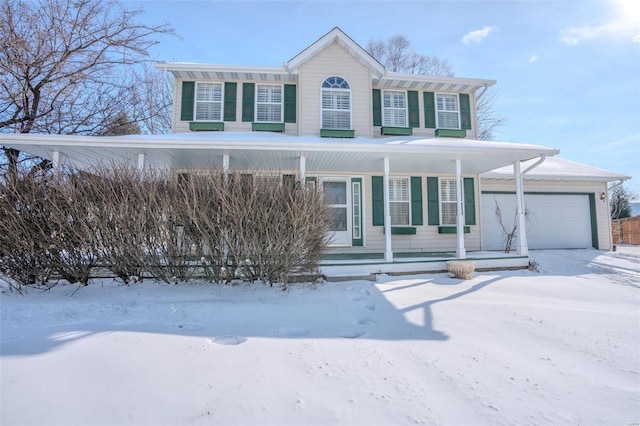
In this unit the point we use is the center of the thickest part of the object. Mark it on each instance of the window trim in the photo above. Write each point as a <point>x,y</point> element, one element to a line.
<point>257,102</point>
<point>408,201</point>
<point>322,109</point>
<point>406,108</point>
<point>438,111</point>
<point>441,200</point>
<point>220,118</point>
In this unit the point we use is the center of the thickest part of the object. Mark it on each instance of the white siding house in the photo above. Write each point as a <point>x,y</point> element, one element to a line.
<point>399,150</point>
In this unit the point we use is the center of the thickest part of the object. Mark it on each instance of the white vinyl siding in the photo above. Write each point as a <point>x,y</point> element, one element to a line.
<point>399,201</point>
<point>336,103</point>
<point>448,111</point>
<point>448,201</point>
<point>269,103</point>
<point>208,102</point>
<point>394,108</point>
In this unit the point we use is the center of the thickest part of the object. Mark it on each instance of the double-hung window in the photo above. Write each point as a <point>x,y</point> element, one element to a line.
<point>399,201</point>
<point>448,201</point>
<point>394,108</point>
<point>269,103</point>
<point>336,103</point>
<point>208,101</point>
<point>448,111</point>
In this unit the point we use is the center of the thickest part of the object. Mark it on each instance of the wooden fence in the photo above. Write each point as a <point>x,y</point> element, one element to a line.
<point>626,231</point>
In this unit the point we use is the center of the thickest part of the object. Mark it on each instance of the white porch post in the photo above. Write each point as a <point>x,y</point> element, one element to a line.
<point>55,160</point>
<point>461,253</point>
<point>523,248</point>
<point>303,169</point>
<point>225,165</point>
<point>388,252</point>
<point>140,161</point>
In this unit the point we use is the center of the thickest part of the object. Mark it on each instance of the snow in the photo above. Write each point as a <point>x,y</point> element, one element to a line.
<point>559,346</point>
<point>556,168</point>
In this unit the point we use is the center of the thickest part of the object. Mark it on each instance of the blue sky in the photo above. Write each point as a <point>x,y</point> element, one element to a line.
<point>568,72</point>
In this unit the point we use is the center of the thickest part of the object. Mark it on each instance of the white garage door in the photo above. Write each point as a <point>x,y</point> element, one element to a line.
<point>553,220</point>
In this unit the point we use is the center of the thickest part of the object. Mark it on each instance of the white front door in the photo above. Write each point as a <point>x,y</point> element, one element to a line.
<point>336,192</point>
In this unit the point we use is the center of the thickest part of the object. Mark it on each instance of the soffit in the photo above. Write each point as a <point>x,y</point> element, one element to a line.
<point>281,153</point>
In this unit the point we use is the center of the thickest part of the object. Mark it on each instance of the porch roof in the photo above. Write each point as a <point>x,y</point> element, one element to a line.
<point>273,151</point>
<point>559,169</point>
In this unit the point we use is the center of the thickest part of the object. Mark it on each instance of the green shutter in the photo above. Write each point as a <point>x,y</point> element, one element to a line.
<point>465,111</point>
<point>377,108</point>
<point>289,180</point>
<point>310,181</point>
<point>414,108</point>
<point>188,95</point>
<point>230,91</point>
<point>429,110</point>
<point>469,202</point>
<point>416,200</point>
<point>289,103</point>
<point>377,189</point>
<point>432,201</point>
<point>248,96</point>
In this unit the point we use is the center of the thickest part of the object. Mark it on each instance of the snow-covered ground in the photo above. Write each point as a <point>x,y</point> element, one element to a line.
<point>559,346</point>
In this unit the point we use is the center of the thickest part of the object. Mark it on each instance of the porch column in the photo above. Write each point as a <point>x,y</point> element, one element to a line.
<point>523,248</point>
<point>140,161</point>
<point>225,165</point>
<point>55,160</point>
<point>461,253</point>
<point>388,251</point>
<point>303,169</point>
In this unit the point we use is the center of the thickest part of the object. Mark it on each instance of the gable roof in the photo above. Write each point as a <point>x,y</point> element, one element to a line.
<point>336,35</point>
<point>289,71</point>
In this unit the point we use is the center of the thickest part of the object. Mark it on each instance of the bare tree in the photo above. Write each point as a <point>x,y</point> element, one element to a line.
<point>152,94</point>
<point>396,54</point>
<point>488,119</point>
<point>63,65</point>
<point>620,205</point>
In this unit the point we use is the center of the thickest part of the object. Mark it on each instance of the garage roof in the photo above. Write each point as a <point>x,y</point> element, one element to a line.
<point>558,169</point>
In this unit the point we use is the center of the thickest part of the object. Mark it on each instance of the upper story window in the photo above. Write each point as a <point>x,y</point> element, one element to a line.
<point>336,103</point>
<point>448,111</point>
<point>208,102</point>
<point>269,103</point>
<point>394,108</point>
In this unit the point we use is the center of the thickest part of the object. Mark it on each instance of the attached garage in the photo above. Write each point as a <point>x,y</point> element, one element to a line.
<point>567,205</point>
<point>554,221</point>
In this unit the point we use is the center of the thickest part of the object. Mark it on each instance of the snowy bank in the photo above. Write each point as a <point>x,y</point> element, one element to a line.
<point>559,346</point>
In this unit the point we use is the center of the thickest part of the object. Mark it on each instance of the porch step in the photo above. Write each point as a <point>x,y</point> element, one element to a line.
<point>367,269</point>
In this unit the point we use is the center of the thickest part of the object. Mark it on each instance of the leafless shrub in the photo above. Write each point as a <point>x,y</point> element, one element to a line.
<point>151,223</point>
<point>508,232</point>
<point>25,232</point>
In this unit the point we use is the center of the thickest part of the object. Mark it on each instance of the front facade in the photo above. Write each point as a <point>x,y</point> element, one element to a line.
<point>395,154</point>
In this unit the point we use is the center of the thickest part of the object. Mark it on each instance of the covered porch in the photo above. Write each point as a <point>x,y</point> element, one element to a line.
<point>314,156</point>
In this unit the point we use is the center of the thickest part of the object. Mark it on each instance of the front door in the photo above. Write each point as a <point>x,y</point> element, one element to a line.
<point>336,194</point>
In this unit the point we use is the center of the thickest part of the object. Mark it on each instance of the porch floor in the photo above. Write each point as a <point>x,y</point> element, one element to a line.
<point>336,266</point>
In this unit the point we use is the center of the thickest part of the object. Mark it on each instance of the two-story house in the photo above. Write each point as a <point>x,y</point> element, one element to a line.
<point>395,155</point>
